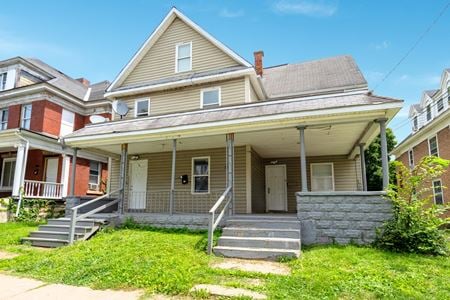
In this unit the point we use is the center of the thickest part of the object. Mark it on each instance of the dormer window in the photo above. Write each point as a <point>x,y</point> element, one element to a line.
<point>415,123</point>
<point>3,77</point>
<point>428,112</point>
<point>183,61</point>
<point>440,105</point>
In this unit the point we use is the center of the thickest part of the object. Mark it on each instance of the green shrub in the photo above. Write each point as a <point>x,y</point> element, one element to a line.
<point>32,210</point>
<point>416,225</point>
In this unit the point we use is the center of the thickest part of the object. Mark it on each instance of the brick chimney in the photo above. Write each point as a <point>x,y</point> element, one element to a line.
<point>259,62</point>
<point>84,81</point>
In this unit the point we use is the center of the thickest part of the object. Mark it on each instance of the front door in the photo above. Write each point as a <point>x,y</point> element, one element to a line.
<point>276,189</point>
<point>138,184</point>
<point>51,169</point>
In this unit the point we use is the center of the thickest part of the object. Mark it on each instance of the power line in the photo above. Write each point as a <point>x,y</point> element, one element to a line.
<point>414,45</point>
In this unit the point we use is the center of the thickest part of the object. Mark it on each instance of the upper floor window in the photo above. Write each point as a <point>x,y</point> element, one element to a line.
<point>210,97</point>
<point>433,146</point>
<point>3,80</point>
<point>26,116</point>
<point>428,112</point>
<point>67,122</point>
<point>438,195</point>
<point>183,57</point>
<point>94,175</point>
<point>3,119</point>
<point>200,175</point>
<point>440,105</point>
<point>415,123</point>
<point>322,177</point>
<point>411,158</point>
<point>142,108</point>
<point>8,168</point>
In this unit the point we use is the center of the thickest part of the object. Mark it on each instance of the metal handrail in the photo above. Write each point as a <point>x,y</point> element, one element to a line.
<point>74,218</point>
<point>212,225</point>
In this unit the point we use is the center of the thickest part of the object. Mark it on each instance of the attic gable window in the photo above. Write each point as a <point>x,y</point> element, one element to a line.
<point>3,80</point>
<point>415,123</point>
<point>183,61</point>
<point>440,105</point>
<point>428,112</point>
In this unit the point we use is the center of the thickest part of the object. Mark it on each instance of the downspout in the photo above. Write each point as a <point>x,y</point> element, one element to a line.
<point>24,166</point>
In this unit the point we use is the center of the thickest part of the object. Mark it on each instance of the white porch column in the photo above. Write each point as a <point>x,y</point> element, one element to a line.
<point>363,166</point>
<point>19,171</point>
<point>172,178</point>
<point>122,178</point>
<point>230,168</point>
<point>384,153</point>
<point>65,175</point>
<point>304,179</point>
<point>74,172</point>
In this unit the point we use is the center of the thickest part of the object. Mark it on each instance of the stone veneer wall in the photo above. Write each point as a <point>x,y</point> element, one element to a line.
<point>341,217</point>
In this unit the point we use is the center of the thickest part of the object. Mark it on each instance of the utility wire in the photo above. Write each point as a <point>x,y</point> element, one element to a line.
<point>414,45</point>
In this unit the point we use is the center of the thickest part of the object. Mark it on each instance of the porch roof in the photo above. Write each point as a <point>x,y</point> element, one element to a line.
<point>248,117</point>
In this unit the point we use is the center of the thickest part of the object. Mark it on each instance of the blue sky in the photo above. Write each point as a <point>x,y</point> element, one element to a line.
<point>95,39</point>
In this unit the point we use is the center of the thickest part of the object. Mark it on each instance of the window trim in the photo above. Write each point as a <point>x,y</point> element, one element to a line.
<point>437,145</point>
<point>193,192</point>
<point>3,80</point>
<point>176,56</point>
<point>311,165</point>
<point>434,192</point>
<point>99,179</point>
<point>1,116</point>
<point>202,91</point>
<point>2,187</point>
<point>415,123</point>
<point>440,101</point>
<point>22,115</point>
<point>136,107</point>
<point>411,161</point>
<point>429,112</point>
<point>67,123</point>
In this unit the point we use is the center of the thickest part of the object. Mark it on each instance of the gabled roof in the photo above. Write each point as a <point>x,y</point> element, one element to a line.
<point>173,13</point>
<point>413,109</point>
<point>312,77</point>
<point>427,95</point>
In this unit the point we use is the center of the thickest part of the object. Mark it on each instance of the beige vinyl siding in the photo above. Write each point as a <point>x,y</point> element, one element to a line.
<point>159,173</point>
<point>159,61</point>
<point>258,184</point>
<point>114,174</point>
<point>188,99</point>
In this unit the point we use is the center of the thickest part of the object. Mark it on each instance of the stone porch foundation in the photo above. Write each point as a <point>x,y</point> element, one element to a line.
<point>341,217</point>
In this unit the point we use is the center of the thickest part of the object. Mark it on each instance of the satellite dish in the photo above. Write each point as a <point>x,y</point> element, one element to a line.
<point>97,119</point>
<point>120,107</point>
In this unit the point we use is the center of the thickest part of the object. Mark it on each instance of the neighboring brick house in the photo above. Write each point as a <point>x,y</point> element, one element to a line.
<point>38,105</point>
<point>430,134</point>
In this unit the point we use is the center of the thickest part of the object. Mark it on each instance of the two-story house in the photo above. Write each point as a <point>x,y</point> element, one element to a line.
<point>38,106</point>
<point>430,135</point>
<point>207,132</point>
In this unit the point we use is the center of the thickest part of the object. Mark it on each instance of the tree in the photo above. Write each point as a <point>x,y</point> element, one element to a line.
<point>374,173</point>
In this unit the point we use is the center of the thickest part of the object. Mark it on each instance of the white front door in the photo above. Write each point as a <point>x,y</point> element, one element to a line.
<point>138,184</point>
<point>276,189</point>
<point>51,172</point>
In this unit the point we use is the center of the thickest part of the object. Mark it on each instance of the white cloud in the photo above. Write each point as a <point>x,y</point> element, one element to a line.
<point>383,45</point>
<point>226,13</point>
<point>306,7</point>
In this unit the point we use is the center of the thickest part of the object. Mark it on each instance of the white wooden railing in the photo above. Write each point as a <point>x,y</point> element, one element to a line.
<point>215,221</point>
<point>75,217</point>
<point>42,189</point>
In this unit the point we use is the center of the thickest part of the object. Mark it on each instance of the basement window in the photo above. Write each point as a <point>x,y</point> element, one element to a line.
<point>183,61</point>
<point>3,119</point>
<point>200,175</point>
<point>438,195</point>
<point>322,177</point>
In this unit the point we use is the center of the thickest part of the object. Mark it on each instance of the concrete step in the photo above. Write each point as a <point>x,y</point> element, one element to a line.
<point>66,221</point>
<point>254,253</point>
<point>263,223</point>
<point>55,235</point>
<point>64,228</point>
<point>260,242</point>
<point>45,242</point>
<point>261,232</point>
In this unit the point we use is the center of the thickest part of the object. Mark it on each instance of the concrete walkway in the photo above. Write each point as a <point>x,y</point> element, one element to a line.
<point>16,288</point>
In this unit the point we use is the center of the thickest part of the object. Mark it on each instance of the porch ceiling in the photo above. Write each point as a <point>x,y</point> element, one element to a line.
<point>321,140</point>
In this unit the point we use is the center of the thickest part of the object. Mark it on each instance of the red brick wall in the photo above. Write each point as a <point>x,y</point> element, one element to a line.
<point>51,122</point>
<point>82,176</point>
<point>14,116</point>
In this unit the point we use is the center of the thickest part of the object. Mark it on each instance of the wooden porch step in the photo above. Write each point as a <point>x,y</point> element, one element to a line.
<point>254,253</point>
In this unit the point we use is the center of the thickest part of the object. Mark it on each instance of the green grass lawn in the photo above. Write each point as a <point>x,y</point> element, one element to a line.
<point>172,262</point>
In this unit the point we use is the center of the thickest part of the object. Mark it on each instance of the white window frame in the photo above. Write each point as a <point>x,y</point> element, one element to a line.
<point>437,145</point>
<point>3,80</point>
<point>136,107</point>
<point>193,176</point>
<point>97,188</point>
<point>202,91</point>
<point>332,173</point>
<point>415,123</point>
<point>3,174</point>
<point>428,112</point>
<point>438,101</point>
<point>411,158</point>
<point>65,123</point>
<point>22,116</point>
<point>4,122</point>
<point>177,58</point>
<point>434,192</point>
